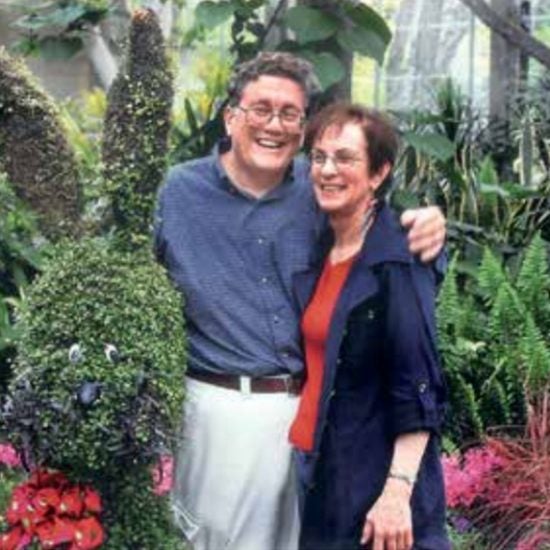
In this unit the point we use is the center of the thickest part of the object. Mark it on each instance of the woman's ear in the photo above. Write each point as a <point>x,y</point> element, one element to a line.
<point>378,178</point>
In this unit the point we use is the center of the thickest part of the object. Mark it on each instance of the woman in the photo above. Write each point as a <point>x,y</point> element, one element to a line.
<point>370,412</point>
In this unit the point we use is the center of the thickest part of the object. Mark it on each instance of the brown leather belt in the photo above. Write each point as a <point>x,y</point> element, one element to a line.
<point>245,384</point>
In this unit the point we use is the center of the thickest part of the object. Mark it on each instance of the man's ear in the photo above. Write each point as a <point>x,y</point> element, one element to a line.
<point>228,115</point>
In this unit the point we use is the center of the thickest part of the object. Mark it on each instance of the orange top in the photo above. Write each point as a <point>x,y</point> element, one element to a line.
<point>315,327</point>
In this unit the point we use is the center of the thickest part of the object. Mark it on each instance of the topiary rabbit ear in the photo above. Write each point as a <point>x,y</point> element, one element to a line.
<point>136,129</point>
<point>38,161</point>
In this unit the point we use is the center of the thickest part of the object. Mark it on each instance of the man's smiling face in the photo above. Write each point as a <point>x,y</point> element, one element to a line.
<point>266,148</point>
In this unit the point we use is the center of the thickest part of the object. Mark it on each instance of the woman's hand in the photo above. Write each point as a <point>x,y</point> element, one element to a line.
<point>426,231</point>
<point>388,524</point>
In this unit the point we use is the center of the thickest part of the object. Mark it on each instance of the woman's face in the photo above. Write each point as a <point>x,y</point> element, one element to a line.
<point>340,170</point>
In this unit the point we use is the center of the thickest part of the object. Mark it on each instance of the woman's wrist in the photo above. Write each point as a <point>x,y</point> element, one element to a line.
<point>405,477</point>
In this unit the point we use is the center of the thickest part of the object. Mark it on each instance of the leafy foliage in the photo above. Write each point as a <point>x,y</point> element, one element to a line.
<point>55,29</point>
<point>450,158</point>
<point>19,262</point>
<point>496,342</point>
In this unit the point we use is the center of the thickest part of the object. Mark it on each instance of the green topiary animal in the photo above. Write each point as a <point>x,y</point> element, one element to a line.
<point>34,152</point>
<point>136,128</point>
<point>98,381</point>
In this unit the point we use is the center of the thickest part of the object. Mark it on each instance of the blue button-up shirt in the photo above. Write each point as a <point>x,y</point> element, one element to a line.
<point>233,257</point>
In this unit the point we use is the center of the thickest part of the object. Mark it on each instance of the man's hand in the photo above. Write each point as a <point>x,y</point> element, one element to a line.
<point>388,524</point>
<point>426,231</point>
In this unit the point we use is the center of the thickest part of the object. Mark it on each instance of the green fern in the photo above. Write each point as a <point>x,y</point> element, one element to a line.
<point>494,333</point>
<point>490,276</point>
<point>533,281</point>
<point>448,304</point>
<point>535,357</point>
<point>495,404</point>
<point>507,315</point>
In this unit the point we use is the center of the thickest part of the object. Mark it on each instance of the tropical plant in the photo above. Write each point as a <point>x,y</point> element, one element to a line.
<point>448,159</point>
<point>20,259</point>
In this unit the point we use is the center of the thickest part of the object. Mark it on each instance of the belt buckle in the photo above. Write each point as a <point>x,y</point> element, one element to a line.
<point>245,385</point>
<point>288,384</point>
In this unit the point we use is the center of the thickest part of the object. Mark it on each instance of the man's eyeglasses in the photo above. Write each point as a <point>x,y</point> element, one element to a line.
<point>291,119</point>
<point>341,159</point>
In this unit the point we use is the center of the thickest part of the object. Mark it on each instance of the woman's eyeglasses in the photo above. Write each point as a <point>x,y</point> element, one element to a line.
<point>340,160</point>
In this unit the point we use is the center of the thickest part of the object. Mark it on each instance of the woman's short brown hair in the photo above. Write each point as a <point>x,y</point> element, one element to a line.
<point>380,135</point>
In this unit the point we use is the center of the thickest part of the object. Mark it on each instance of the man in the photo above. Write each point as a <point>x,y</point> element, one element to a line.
<point>232,228</point>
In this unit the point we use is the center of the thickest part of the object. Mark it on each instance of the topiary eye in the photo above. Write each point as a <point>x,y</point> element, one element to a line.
<point>75,354</point>
<point>112,353</point>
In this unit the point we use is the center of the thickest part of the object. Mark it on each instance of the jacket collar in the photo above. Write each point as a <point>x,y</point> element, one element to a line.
<point>384,242</point>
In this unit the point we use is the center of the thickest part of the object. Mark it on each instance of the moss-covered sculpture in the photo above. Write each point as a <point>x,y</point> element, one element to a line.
<point>98,382</point>
<point>136,128</point>
<point>34,152</point>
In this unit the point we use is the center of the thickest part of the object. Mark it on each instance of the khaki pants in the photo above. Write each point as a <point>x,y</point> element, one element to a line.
<point>234,480</point>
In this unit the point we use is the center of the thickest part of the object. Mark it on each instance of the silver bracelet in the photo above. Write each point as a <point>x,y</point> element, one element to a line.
<point>408,479</point>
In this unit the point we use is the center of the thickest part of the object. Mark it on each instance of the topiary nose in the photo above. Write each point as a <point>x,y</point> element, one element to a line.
<point>88,393</point>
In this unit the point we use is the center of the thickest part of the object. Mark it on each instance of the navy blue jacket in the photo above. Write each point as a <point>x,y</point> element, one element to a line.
<point>382,378</point>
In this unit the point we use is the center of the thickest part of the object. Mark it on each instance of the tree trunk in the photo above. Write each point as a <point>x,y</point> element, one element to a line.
<point>513,33</point>
<point>103,61</point>
<point>504,72</point>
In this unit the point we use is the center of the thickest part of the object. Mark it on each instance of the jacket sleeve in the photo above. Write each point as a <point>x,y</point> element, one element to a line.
<point>416,385</point>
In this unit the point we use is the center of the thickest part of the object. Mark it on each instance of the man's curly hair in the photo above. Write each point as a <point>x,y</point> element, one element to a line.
<point>273,64</point>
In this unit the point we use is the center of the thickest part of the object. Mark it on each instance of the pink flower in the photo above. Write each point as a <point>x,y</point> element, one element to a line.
<point>8,456</point>
<point>466,481</point>
<point>162,475</point>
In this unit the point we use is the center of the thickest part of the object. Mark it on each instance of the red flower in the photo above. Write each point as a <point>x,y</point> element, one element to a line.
<point>92,500</point>
<point>54,532</point>
<point>162,475</point>
<point>45,499</point>
<point>88,534</point>
<point>21,501</point>
<point>15,539</point>
<point>48,478</point>
<point>50,509</point>
<point>72,502</point>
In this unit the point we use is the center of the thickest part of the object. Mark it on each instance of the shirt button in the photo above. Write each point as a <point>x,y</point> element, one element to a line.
<point>260,240</point>
<point>276,319</point>
<point>422,387</point>
<point>339,361</point>
<point>370,315</point>
<point>264,280</point>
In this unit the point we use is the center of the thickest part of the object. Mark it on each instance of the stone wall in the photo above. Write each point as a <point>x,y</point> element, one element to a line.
<point>67,78</point>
